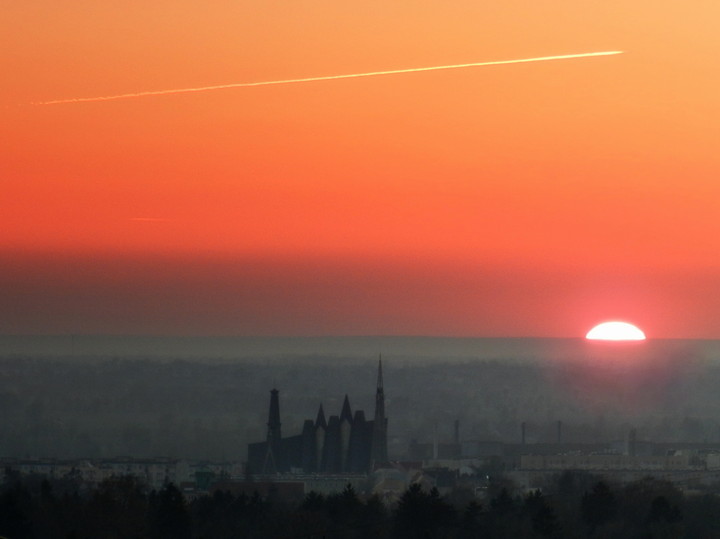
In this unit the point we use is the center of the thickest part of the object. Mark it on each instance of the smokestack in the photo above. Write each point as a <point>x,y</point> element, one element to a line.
<point>559,432</point>
<point>522,433</point>
<point>457,432</point>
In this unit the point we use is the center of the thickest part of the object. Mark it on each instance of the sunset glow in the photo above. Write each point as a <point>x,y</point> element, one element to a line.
<point>336,168</point>
<point>615,331</point>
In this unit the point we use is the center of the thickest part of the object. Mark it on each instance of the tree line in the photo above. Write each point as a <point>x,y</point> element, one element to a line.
<point>574,505</point>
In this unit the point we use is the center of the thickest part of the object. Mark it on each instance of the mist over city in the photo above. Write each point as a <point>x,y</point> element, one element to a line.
<point>139,398</point>
<point>325,269</point>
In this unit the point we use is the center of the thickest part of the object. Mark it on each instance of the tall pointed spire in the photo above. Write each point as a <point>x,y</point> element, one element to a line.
<point>346,413</point>
<point>320,419</point>
<point>378,450</point>
<point>379,377</point>
<point>380,392</point>
<point>274,435</point>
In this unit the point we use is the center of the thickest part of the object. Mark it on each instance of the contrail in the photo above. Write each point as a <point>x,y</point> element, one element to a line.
<point>150,219</point>
<point>330,77</point>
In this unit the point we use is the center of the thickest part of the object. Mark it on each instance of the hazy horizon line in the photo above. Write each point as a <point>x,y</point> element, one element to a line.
<point>315,336</point>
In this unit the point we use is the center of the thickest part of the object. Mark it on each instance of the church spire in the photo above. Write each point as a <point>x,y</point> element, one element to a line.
<point>378,450</point>
<point>274,435</point>
<point>320,419</point>
<point>346,413</point>
<point>379,377</point>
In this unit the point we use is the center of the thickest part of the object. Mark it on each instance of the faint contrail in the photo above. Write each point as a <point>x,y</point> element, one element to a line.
<point>150,219</point>
<point>330,77</point>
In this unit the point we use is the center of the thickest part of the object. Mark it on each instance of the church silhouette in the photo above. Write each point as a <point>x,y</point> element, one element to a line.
<point>347,443</point>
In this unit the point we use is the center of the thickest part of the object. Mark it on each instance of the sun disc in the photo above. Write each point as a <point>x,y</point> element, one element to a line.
<point>615,331</point>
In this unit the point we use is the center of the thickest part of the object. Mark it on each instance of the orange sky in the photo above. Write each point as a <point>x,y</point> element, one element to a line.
<point>517,200</point>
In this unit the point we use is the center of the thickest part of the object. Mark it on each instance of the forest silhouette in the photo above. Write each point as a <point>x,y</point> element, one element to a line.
<point>573,505</point>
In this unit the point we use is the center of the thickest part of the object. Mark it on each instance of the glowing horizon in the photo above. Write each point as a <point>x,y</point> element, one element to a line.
<point>324,78</point>
<point>515,169</point>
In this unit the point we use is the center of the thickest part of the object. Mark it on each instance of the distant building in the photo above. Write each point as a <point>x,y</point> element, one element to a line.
<point>606,462</point>
<point>345,443</point>
<point>428,451</point>
<point>482,448</point>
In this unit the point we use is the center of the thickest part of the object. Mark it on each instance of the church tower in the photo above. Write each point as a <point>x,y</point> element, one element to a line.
<point>378,449</point>
<point>320,431</point>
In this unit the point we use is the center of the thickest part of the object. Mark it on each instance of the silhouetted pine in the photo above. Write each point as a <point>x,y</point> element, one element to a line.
<point>168,515</point>
<point>471,522</point>
<point>423,515</point>
<point>598,506</point>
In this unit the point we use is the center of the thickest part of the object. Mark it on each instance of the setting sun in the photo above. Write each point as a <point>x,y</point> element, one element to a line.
<point>615,331</point>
